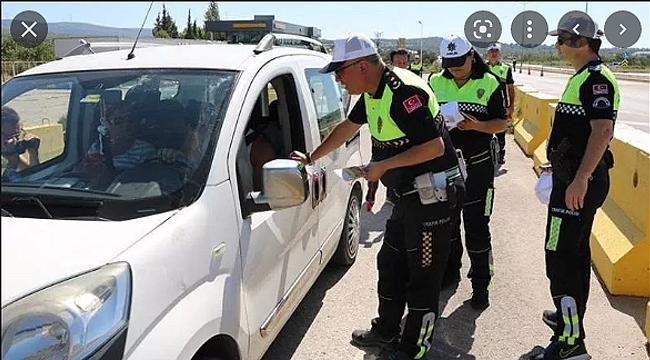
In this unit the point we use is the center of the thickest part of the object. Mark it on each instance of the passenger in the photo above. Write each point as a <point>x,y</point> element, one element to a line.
<point>19,148</point>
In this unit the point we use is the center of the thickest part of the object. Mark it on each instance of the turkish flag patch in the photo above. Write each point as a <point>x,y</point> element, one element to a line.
<point>411,104</point>
<point>601,89</point>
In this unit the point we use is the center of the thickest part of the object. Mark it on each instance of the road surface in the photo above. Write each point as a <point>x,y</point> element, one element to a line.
<point>635,96</point>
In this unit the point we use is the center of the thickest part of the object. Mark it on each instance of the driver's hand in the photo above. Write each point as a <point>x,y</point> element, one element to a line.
<point>298,156</point>
<point>169,155</point>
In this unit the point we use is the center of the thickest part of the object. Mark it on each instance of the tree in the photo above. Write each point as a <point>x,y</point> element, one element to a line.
<point>211,14</point>
<point>165,25</point>
<point>378,38</point>
<point>189,31</point>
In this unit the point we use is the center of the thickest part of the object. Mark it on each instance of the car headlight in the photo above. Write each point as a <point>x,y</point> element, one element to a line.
<point>70,320</point>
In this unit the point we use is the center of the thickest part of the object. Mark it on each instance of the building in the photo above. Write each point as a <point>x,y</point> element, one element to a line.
<point>252,31</point>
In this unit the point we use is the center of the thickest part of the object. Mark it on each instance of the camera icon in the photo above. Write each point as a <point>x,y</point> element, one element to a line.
<point>482,28</point>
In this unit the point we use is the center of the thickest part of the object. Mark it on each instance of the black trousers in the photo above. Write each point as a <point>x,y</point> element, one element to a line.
<point>502,145</point>
<point>568,254</point>
<point>410,262</point>
<point>475,212</point>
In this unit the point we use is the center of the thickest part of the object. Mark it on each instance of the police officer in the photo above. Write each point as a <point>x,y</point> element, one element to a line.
<point>578,149</point>
<point>504,72</point>
<point>413,154</point>
<point>467,81</point>
<point>416,65</point>
<point>398,58</point>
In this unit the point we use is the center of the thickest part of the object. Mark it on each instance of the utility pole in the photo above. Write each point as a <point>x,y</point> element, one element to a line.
<point>523,34</point>
<point>421,54</point>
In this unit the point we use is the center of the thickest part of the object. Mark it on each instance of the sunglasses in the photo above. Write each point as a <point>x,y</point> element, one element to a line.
<point>566,40</point>
<point>340,70</point>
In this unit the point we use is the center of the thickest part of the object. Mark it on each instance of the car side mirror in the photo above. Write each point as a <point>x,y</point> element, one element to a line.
<point>286,184</point>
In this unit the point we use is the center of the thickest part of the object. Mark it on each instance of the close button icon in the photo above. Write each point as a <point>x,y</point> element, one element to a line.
<point>29,29</point>
<point>622,29</point>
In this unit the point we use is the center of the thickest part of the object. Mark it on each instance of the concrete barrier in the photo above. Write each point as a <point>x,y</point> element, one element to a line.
<point>539,155</point>
<point>620,237</point>
<point>51,136</point>
<point>535,125</point>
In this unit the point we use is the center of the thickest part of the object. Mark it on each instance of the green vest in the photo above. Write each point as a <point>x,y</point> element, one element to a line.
<point>475,91</point>
<point>571,93</point>
<point>380,124</point>
<point>500,70</point>
<point>416,67</point>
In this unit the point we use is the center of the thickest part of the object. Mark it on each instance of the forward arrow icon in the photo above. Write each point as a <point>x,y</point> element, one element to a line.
<point>622,27</point>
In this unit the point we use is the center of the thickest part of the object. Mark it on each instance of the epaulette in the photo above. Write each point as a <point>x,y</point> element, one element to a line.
<point>594,68</point>
<point>392,80</point>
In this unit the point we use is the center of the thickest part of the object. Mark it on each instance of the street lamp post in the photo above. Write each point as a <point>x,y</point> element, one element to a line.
<point>421,55</point>
<point>523,36</point>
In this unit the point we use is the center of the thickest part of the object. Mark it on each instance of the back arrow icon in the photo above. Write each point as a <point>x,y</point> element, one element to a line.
<point>575,29</point>
<point>622,27</point>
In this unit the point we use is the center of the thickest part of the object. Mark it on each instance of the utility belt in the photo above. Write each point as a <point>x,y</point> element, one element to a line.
<point>565,168</point>
<point>479,158</point>
<point>431,187</point>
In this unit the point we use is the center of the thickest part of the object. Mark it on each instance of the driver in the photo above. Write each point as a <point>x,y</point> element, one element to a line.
<point>121,149</point>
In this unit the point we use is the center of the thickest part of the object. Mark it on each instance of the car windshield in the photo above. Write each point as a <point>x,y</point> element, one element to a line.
<point>130,142</point>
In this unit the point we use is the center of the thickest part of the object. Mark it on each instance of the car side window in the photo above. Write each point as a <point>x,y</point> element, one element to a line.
<point>328,100</point>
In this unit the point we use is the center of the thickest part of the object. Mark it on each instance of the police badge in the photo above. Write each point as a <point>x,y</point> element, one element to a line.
<point>480,92</point>
<point>380,124</point>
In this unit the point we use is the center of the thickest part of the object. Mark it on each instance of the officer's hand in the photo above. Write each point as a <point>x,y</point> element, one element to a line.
<point>574,196</point>
<point>374,171</point>
<point>299,156</point>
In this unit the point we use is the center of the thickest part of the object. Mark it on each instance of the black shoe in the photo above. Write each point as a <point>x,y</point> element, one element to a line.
<point>373,338</point>
<point>559,350</point>
<point>451,277</point>
<point>549,317</point>
<point>480,300</point>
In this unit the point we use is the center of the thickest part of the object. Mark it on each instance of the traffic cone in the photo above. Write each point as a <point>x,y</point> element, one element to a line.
<point>528,71</point>
<point>542,72</point>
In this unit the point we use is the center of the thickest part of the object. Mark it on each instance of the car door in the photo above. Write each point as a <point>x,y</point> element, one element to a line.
<point>327,109</point>
<point>280,248</point>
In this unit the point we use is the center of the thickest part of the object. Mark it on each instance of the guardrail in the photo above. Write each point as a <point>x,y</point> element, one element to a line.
<point>12,68</point>
<point>631,76</point>
<point>620,238</point>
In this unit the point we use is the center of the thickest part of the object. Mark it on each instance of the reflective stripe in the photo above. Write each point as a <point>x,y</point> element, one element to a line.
<point>554,233</point>
<point>488,202</point>
<point>426,334</point>
<point>571,330</point>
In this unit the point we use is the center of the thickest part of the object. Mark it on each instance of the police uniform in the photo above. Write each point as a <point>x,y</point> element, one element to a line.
<point>482,97</point>
<point>504,72</point>
<point>401,114</point>
<point>592,93</point>
<point>416,68</point>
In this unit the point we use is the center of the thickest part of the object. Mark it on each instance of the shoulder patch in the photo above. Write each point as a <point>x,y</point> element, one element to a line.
<point>599,89</point>
<point>393,81</point>
<point>413,103</point>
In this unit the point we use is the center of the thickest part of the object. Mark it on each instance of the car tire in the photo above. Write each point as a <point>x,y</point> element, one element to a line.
<point>348,247</point>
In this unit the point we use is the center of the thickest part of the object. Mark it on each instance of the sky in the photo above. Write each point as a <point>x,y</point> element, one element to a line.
<point>391,19</point>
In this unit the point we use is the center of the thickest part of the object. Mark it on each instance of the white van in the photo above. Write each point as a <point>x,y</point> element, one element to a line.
<point>163,219</point>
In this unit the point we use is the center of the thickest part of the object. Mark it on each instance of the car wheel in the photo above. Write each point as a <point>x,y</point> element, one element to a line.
<point>348,247</point>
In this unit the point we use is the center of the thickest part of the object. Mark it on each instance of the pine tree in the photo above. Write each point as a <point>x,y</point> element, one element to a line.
<point>211,14</point>
<point>189,33</point>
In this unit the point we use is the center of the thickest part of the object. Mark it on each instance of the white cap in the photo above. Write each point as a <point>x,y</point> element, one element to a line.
<point>495,46</point>
<point>350,47</point>
<point>453,49</point>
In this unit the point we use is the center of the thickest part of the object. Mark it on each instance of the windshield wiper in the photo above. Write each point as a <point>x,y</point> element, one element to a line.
<point>88,192</point>
<point>6,213</point>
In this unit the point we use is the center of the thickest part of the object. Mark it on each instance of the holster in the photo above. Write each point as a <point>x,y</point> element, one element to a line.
<point>563,169</point>
<point>455,192</point>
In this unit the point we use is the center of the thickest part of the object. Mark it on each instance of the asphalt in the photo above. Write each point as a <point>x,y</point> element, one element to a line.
<point>343,300</point>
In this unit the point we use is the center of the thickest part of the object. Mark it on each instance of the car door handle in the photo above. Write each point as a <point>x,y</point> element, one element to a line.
<point>323,183</point>
<point>315,189</point>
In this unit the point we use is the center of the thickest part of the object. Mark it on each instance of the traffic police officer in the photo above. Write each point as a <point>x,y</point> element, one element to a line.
<point>504,72</point>
<point>412,153</point>
<point>479,94</point>
<point>416,65</point>
<point>578,149</point>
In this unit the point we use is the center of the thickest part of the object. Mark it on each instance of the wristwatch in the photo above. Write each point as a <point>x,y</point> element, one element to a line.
<point>308,155</point>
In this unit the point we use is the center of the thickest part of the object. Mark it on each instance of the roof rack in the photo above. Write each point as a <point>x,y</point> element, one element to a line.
<point>274,39</point>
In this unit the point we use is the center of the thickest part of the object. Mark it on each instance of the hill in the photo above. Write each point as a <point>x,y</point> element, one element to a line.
<point>65,29</point>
